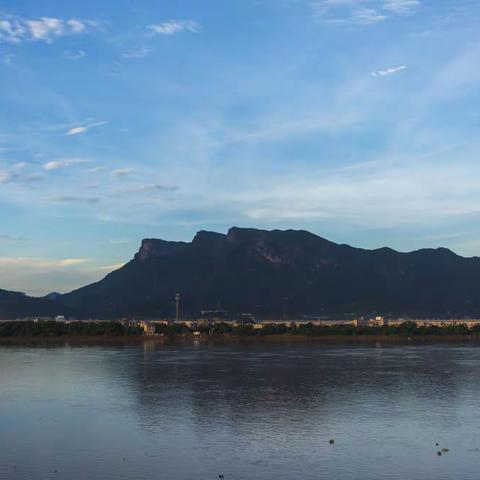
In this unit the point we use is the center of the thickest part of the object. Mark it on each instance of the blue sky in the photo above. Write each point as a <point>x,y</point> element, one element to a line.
<point>122,119</point>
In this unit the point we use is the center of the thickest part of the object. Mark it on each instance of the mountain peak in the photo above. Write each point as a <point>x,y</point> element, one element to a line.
<point>153,247</point>
<point>270,272</point>
<point>206,235</point>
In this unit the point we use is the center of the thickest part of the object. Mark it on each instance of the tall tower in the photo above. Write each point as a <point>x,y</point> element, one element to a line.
<point>177,309</point>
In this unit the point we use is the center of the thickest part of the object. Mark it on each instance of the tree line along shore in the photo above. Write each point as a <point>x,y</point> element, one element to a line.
<point>117,329</point>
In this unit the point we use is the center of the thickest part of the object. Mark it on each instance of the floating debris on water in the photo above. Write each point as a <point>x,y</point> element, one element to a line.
<point>331,441</point>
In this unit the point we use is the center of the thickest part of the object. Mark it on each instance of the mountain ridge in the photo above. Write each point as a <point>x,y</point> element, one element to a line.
<point>282,272</point>
<point>271,274</point>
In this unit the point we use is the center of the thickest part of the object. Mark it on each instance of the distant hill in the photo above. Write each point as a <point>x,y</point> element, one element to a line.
<point>272,273</point>
<point>18,305</point>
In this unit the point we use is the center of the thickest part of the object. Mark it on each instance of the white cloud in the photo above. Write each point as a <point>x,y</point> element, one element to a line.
<point>83,128</point>
<point>46,28</point>
<point>74,55</point>
<point>171,27</point>
<point>141,52</point>
<point>385,194</point>
<point>76,131</point>
<point>368,16</point>
<point>361,12</point>
<point>15,30</point>
<point>121,172</point>
<point>12,174</point>
<point>18,166</point>
<point>68,262</point>
<point>110,268</point>
<point>41,263</point>
<point>387,71</point>
<point>149,188</point>
<point>6,176</point>
<point>401,6</point>
<point>96,169</point>
<point>76,26</point>
<point>42,275</point>
<point>63,163</point>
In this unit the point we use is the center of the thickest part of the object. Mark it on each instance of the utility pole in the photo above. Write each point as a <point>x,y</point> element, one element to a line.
<point>177,301</point>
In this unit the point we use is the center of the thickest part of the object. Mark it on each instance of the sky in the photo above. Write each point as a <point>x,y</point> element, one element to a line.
<point>357,120</point>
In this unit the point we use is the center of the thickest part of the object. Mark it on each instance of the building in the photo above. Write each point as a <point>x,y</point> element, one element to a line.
<point>376,322</point>
<point>148,328</point>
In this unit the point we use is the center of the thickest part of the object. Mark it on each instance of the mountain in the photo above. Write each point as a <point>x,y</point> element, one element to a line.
<point>273,273</point>
<point>18,305</point>
<point>53,296</point>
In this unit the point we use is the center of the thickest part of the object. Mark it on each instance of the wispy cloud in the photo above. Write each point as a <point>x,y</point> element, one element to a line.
<point>63,163</point>
<point>41,263</point>
<point>41,275</point>
<point>74,55</point>
<point>411,193</point>
<point>110,268</point>
<point>122,172</point>
<point>75,199</point>
<point>401,6</point>
<point>368,16</point>
<point>68,262</point>
<point>388,71</point>
<point>171,27</point>
<point>97,169</point>
<point>15,30</point>
<point>150,188</point>
<point>362,12</point>
<point>14,174</point>
<point>140,52</point>
<point>77,130</point>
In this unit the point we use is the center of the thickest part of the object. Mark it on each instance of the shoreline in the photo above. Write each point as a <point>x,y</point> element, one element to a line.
<point>229,339</point>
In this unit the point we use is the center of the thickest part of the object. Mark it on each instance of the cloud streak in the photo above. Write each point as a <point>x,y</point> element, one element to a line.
<point>75,199</point>
<point>134,53</point>
<point>362,12</point>
<point>77,130</point>
<point>172,27</point>
<point>15,30</point>
<point>401,6</point>
<point>14,174</point>
<point>388,71</point>
<point>150,188</point>
<point>122,172</point>
<point>64,163</point>
<point>74,55</point>
<point>41,263</point>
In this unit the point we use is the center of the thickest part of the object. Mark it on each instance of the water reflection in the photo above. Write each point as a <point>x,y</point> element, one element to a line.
<point>247,411</point>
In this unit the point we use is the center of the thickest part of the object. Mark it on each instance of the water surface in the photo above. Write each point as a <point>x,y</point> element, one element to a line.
<point>252,411</point>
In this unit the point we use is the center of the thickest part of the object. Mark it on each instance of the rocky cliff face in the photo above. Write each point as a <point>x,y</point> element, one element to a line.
<point>152,248</point>
<point>271,273</point>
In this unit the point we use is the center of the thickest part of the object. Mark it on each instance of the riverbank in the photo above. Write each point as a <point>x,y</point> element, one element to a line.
<point>232,339</point>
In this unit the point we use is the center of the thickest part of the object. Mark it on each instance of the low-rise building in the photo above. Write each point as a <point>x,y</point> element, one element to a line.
<point>148,328</point>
